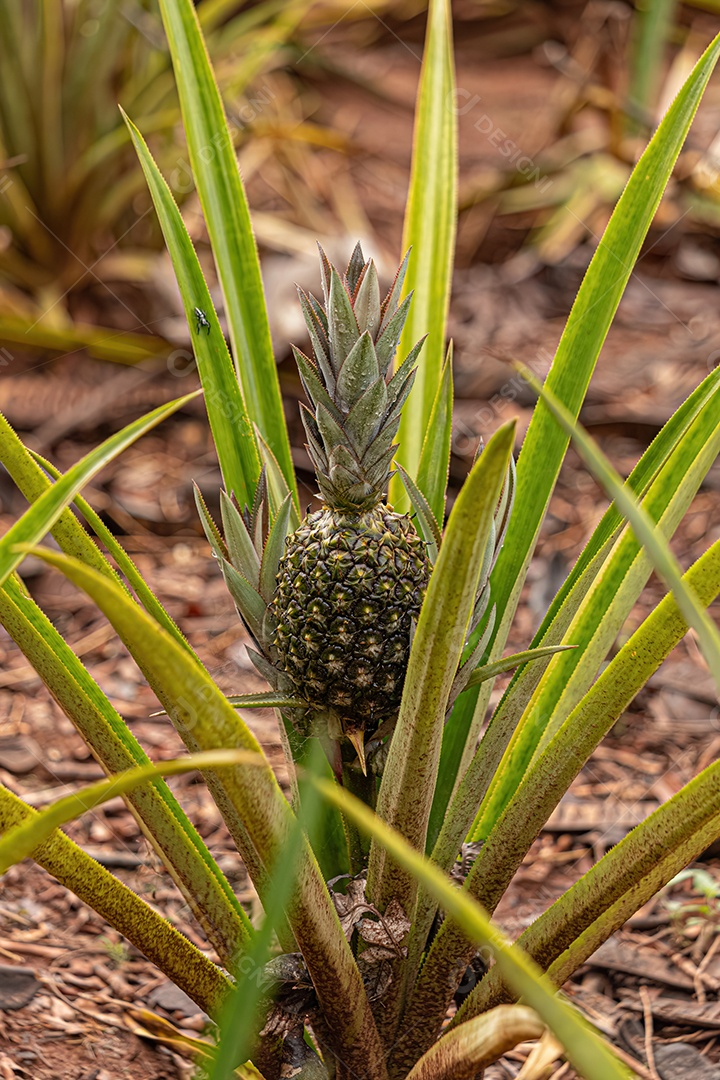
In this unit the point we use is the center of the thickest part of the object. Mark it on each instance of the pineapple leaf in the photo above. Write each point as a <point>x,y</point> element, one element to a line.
<point>430,225</point>
<point>509,663</point>
<point>342,467</point>
<point>268,699</point>
<point>183,962</point>
<point>480,607</point>
<point>382,448</point>
<point>343,329</point>
<point>355,268</point>
<point>314,442</point>
<point>367,301</point>
<point>331,432</point>
<point>559,762</point>
<point>243,554</point>
<point>644,527</point>
<point>504,510</point>
<point>377,475</point>
<point>434,468</point>
<point>311,426</point>
<point>226,408</point>
<point>358,371</point>
<point>479,1042</point>
<point>603,285</point>
<point>313,386</point>
<point>318,338</point>
<point>347,490</point>
<point>402,396</point>
<point>276,484</point>
<point>466,670</point>
<point>487,559</point>
<point>388,341</point>
<point>321,316</point>
<point>17,466</point>
<point>227,216</point>
<point>257,523</point>
<point>203,885</point>
<point>362,421</point>
<point>264,667</point>
<point>39,518</point>
<point>274,549</point>
<point>268,629</point>
<point>426,519</point>
<point>18,842</point>
<point>590,1056</point>
<point>249,602</point>
<point>398,387</point>
<point>391,301</point>
<point>213,534</point>
<point>326,269</point>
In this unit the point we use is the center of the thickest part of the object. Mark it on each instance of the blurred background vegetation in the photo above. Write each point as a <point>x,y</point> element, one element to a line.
<point>555,102</point>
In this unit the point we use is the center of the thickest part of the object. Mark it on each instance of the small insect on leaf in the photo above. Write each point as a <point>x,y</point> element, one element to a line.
<point>201,320</point>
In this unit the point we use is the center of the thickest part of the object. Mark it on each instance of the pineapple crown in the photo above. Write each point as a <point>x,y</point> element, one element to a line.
<point>356,407</point>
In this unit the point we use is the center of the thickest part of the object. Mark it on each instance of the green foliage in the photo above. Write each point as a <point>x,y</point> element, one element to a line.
<point>227,218</point>
<point>231,427</point>
<point>42,516</point>
<point>434,786</point>
<point>436,654</point>
<point>430,224</point>
<point>545,444</point>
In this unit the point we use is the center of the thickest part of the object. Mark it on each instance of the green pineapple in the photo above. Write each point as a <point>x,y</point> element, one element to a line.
<point>353,576</point>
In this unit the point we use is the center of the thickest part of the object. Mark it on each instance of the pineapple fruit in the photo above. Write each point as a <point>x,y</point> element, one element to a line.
<point>353,576</point>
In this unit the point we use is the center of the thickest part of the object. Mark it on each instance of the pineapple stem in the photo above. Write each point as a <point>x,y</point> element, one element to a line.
<point>364,788</point>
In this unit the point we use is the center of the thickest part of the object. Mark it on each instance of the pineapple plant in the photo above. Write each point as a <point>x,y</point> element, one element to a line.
<point>333,613</point>
<point>331,602</point>
<point>441,791</point>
